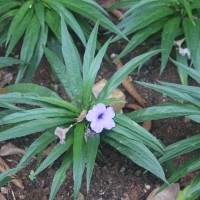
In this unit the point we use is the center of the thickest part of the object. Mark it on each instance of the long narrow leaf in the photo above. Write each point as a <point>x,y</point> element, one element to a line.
<point>60,175</point>
<point>56,152</point>
<point>78,157</point>
<point>121,74</point>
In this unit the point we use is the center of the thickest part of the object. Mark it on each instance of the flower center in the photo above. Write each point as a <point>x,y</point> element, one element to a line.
<point>101,116</point>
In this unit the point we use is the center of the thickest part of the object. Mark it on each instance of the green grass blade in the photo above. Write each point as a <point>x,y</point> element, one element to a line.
<point>52,19</point>
<point>182,147</point>
<point>188,9</point>
<point>92,73</point>
<point>60,175</point>
<point>190,166</point>
<point>37,146</point>
<point>91,151</point>
<point>195,74</point>
<point>21,28</point>
<point>121,74</point>
<point>163,111</point>
<point>168,35</point>
<point>141,35</point>
<point>171,92</point>
<point>37,113</point>
<point>136,151</point>
<point>57,102</point>
<point>136,21</point>
<point>8,61</point>
<point>32,88</point>
<point>56,152</point>
<point>72,62</point>
<point>29,43</point>
<point>182,74</point>
<point>30,127</point>
<point>192,35</point>
<point>138,132</point>
<point>78,157</point>
<point>37,54</point>
<point>26,7</point>
<point>30,39</point>
<point>89,51</point>
<point>60,71</point>
<point>68,17</point>
<point>192,191</point>
<point>40,12</point>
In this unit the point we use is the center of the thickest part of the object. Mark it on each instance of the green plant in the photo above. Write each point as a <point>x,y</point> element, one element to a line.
<point>166,20</point>
<point>52,114</point>
<point>35,21</point>
<point>188,105</point>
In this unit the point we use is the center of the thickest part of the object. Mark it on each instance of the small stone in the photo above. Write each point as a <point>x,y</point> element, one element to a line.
<point>80,196</point>
<point>4,190</point>
<point>22,197</point>
<point>147,187</point>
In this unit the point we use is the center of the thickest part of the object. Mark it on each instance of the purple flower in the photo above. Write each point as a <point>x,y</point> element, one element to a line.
<point>61,133</point>
<point>101,118</point>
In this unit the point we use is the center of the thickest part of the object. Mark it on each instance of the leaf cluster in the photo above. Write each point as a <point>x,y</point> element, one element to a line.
<point>188,105</point>
<point>45,110</point>
<point>37,21</point>
<point>163,20</point>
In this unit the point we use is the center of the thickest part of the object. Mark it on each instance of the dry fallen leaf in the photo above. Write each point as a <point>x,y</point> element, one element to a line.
<point>10,149</point>
<point>5,78</point>
<point>169,193</point>
<point>3,167</point>
<point>117,94</point>
<point>81,116</point>
<point>2,197</point>
<point>80,196</point>
<point>48,150</point>
<point>117,13</point>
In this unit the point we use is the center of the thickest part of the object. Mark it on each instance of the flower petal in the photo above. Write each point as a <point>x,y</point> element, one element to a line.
<point>100,107</point>
<point>90,116</point>
<point>109,124</point>
<point>96,126</point>
<point>109,113</point>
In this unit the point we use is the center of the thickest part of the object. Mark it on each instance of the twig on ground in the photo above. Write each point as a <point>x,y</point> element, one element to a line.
<point>117,13</point>
<point>127,83</point>
<point>3,167</point>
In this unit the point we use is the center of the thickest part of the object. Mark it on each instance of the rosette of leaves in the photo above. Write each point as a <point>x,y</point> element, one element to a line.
<point>33,21</point>
<point>188,105</point>
<point>47,111</point>
<point>165,21</point>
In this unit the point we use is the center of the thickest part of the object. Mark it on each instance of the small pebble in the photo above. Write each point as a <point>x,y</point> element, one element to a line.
<point>4,190</point>
<point>147,187</point>
<point>22,196</point>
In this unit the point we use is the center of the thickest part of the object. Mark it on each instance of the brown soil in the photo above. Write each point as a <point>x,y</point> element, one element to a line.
<point>114,176</point>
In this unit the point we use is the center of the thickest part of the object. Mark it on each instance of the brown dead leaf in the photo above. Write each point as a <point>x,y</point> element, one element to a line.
<point>80,196</point>
<point>81,116</point>
<point>2,197</point>
<point>169,193</point>
<point>2,91</point>
<point>117,94</point>
<point>5,78</point>
<point>117,13</point>
<point>128,84</point>
<point>48,150</point>
<point>3,167</point>
<point>10,149</point>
